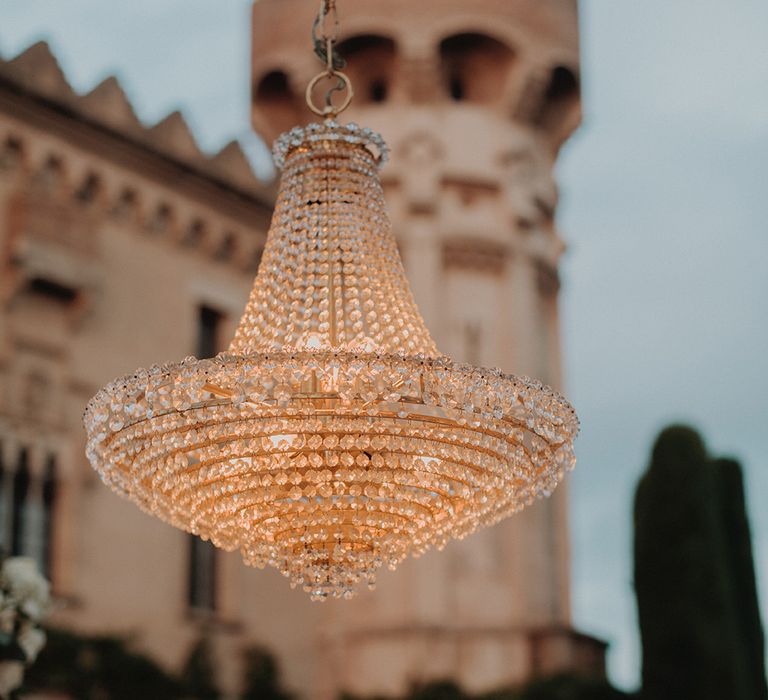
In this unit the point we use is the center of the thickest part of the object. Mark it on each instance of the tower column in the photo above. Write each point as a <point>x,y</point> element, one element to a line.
<point>422,265</point>
<point>521,286</point>
<point>474,100</point>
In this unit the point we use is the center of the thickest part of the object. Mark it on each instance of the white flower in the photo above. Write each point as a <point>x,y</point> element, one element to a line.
<point>26,585</point>
<point>31,639</point>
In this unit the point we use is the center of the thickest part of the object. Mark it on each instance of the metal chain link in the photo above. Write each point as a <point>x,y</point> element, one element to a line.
<point>325,34</point>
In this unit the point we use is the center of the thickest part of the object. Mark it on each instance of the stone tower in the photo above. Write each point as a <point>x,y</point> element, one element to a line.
<point>475,100</point>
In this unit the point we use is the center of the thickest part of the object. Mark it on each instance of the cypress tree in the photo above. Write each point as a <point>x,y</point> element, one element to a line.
<point>738,549</point>
<point>689,642</point>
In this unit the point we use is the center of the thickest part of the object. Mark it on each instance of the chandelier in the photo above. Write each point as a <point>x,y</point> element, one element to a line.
<point>332,437</point>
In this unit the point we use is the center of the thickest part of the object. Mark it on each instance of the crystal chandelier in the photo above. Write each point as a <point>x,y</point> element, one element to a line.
<point>332,437</point>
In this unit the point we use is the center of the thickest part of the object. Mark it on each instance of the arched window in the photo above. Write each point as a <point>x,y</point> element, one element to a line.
<point>201,590</point>
<point>10,153</point>
<point>126,206</point>
<point>475,67</point>
<point>161,219</point>
<point>378,91</point>
<point>273,87</point>
<point>49,493</point>
<point>560,96</point>
<point>88,190</point>
<point>27,510</point>
<point>209,323</point>
<point>195,234</point>
<point>370,65</point>
<point>50,178</point>
<point>202,561</point>
<point>5,504</point>
<point>456,87</point>
<point>19,503</point>
<point>274,96</point>
<point>227,248</point>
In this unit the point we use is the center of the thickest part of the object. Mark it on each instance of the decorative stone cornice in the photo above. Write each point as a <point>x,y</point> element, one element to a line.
<point>161,184</point>
<point>475,254</point>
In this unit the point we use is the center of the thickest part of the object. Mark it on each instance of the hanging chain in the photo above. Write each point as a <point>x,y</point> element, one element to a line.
<point>325,34</point>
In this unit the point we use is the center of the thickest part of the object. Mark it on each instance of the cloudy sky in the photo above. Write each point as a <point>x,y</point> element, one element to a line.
<point>665,209</point>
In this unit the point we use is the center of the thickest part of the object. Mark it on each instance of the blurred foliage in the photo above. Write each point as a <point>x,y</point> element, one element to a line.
<point>97,668</point>
<point>562,687</point>
<point>104,668</point>
<point>566,687</point>
<point>694,575</point>
<point>439,690</point>
<point>262,677</point>
<point>198,677</point>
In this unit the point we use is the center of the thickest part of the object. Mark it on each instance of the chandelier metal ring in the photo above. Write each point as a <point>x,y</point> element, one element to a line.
<point>329,109</point>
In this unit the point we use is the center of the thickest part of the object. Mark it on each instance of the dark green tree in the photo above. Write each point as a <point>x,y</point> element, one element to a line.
<point>690,640</point>
<point>738,551</point>
<point>262,677</point>
<point>199,677</point>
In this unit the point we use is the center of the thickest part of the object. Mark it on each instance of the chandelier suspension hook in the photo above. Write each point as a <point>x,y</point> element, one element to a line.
<point>325,33</point>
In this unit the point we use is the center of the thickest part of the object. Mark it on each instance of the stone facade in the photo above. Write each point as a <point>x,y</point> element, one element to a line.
<point>118,243</point>
<point>123,245</point>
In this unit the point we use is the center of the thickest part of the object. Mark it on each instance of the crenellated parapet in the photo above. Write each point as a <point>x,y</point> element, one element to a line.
<point>475,100</point>
<point>35,73</point>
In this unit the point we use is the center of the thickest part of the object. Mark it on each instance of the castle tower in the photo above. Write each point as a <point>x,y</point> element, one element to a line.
<point>475,100</point>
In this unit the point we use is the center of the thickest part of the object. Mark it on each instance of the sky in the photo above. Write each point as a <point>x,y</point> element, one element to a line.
<point>664,209</point>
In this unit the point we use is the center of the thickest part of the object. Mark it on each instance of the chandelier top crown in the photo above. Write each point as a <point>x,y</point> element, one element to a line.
<point>331,131</point>
<point>331,277</point>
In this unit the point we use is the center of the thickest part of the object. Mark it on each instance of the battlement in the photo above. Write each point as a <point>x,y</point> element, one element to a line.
<point>516,60</point>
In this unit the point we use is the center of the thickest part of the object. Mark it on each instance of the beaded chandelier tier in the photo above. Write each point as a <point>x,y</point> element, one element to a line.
<point>332,437</point>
